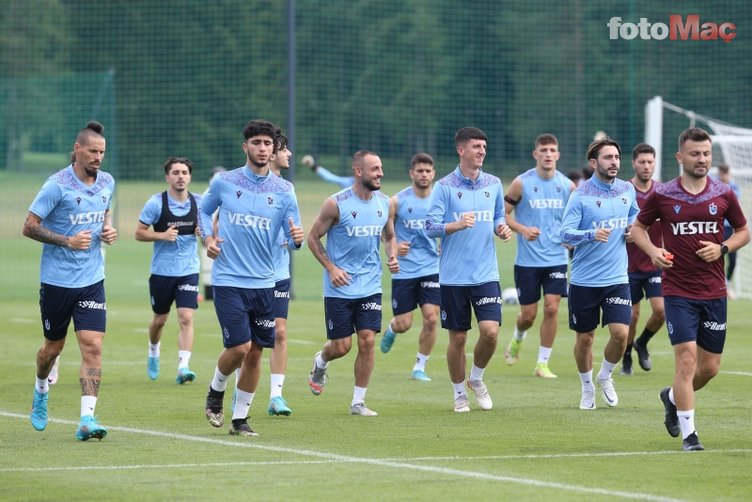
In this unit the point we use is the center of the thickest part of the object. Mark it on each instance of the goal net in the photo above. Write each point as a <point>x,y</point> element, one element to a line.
<point>731,145</point>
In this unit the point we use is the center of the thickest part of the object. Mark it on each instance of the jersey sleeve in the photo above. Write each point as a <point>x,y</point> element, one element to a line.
<point>47,199</point>
<point>435,217</point>
<point>151,211</point>
<point>570,224</point>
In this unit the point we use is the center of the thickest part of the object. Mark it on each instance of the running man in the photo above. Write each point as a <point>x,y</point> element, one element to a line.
<point>354,222</point>
<point>691,209</point>
<point>173,216</point>
<point>417,283</point>
<point>596,218</point>
<point>538,197</point>
<point>644,277</point>
<point>71,217</point>
<point>254,205</point>
<point>467,211</point>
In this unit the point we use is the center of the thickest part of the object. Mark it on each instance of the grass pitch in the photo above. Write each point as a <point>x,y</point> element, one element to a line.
<point>534,444</point>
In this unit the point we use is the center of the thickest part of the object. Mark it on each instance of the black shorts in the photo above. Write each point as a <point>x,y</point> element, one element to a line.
<point>86,306</point>
<point>407,294</point>
<point>282,299</point>
<point>345,316</point>
<point>645,285</point>
<point>586,303</point>
<point>164,290</point>
<point>456,302</point>
<point>701,321</point>
<point>530,280</point>
<point>245,315</point>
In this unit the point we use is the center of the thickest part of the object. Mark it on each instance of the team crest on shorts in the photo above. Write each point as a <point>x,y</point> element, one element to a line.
<point>443,315</point>
<point>330,324</point>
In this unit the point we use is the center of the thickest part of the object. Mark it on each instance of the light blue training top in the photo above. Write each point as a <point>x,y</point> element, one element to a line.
<point>423,258</point>
<point>252,211</point>
<point>352,244</point>
<point>172,259</point>
<point>67,206</point>
<point>468,257</point>
<point>542,205</point>
<point>596,204</point>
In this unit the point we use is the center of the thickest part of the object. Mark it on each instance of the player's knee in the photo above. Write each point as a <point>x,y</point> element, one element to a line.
<point>400,325</point>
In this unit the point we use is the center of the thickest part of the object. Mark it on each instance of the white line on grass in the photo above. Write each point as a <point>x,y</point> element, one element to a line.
<point>23,320</point>
<point>398,464</point>
<point>738,373</point>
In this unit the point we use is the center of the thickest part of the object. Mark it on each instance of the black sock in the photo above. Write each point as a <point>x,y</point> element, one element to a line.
<point>238,421</point>
<point>645,336</point>
<point>628,350</point>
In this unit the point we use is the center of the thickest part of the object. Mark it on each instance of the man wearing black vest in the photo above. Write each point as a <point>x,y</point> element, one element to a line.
<point>173,217</point>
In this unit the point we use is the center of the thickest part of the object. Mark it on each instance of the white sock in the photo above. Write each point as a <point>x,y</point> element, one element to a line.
<point>359,395</point>
<point>543,354</point>
<point>88,404</point>
<point>587,380</point>
<point>277,381</point>
<point>459,389</point>
<point>606,369</point>
<point>154,349</point>
<point>476,373</point>
<point>686,422</point>
<point>420,362</point>
<point>219,382</point>
<point>320,361</point>
<point>519,335</point>
<point>184,357</point>
<point>242,404</point>
<point>671,396</point>
<point>389,329</point>
<point>42,386</point>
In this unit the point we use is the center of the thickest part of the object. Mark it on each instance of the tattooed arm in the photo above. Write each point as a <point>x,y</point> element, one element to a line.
<point>33,229</point>
<point>327,217</point>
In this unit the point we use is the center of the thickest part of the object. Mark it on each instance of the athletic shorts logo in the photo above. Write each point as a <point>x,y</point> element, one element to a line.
<point>557,275</point>
<point>394,304</point>
<point>615,300</point>
<point>488,299</point>
<point>714,326</point>
<point>429,284</point>
<point>47,324</point>
<point>265,323</point>
<point>655,280</point>
<point>670,328</point>
<point>330,323</point>
<point>443,315</point>
<point>281,294</point>
<point>370,306</point>
<point>226,333</point>
<point>187,287</point>
<point>92,305</point>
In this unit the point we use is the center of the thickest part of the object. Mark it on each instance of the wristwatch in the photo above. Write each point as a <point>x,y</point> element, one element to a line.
<point>724,249</point>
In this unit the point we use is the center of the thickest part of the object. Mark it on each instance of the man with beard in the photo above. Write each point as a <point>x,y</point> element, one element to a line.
<point>692,208</point>
<point>595,220</point>
<point>173,216</point>
<point>254,205</point>
<point>71,217</point>
<point>644,277</point>
<point>354,221</point>
<point>417,283</point>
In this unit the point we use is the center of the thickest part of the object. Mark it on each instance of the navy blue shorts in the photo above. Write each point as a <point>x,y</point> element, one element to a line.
<point>530,280</point>
<point>456,302</point>
<point>701,321</point>
<point>345,316</point>
<point>282,299</point>
<point>408,294</point>
<point>86,306</point>
<point>163,290</point>
<point>245,315</point>
<point>586,303</point>
<point>645,285</point>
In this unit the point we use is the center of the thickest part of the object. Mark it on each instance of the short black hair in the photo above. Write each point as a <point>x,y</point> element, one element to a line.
<point>693,134</point>
<point>642,148</point>
<point>596,146</point>
<point>421,158</point>
<point>177,160</point>
<point>262,128</point>
<point>468,133</point>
